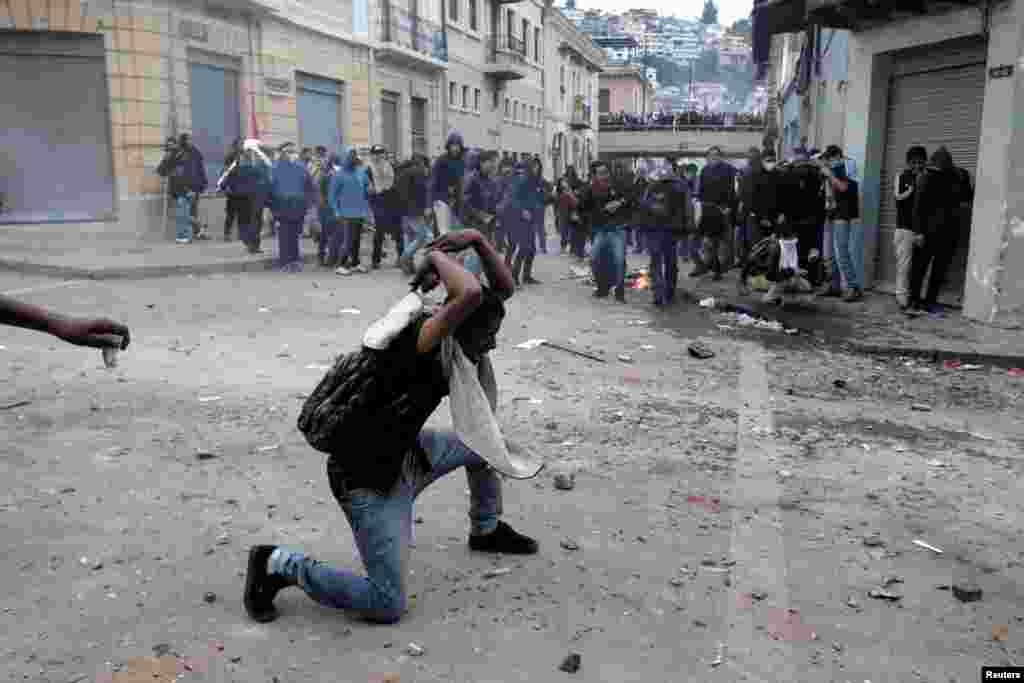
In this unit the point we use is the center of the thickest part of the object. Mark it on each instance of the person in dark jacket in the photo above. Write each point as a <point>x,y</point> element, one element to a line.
<point>566,229</point>
<point>185,171</point>
<point>569,216</point>
<point>803,204</point>
<point>904,237</point>
<point>942,192</point>
<point>664,217</point>
<point>717,196</point>
<point>332,245</point>
<point>233,205</point>
<point>395,458</point>
<point>765,212</point>
<point>843,233</point>
<point>747,232</point>
<point>383,202</point>
<point>481,202</point>
<point>506,171</point>
<point>413,183</point>
<point>606,211</point>
<point>446,184</point>
<point>290,187</point>
<point>248,181</point>
<point>525,216</point>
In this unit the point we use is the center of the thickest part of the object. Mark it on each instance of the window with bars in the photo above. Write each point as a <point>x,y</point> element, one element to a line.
<point>453,90</point>
<point>465,97</point>
<point>453,11</point>
<point>476,100</point>
<point>536,45</point>
<point>508,107</point>
<point>474,18</point>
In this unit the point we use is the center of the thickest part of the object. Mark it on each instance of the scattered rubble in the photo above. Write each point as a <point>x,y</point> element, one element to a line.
<point>565,482</point>
<point>967,591</point>
<point>571,664</point>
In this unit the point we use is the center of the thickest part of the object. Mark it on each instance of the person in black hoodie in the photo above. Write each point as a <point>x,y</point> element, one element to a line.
<point>664,217</point>
<point>765,211</point>
<point>904,237</point>
<point>717,196</point>
<point>606,210</point>
<point>234,205</point>
<point>942,191</point>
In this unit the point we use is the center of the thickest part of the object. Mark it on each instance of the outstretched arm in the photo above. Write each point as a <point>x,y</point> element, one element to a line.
<point>77,331</point>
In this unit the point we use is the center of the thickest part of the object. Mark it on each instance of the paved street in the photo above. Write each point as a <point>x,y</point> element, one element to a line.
<point>732,517</point>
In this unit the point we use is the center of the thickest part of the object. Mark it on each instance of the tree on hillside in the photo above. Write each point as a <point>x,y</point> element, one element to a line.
<point>710,15</point>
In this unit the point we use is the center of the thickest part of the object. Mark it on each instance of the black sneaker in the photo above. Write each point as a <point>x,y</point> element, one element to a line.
<point>601,293</point>
<point>261,587</point>
<point>503,540</point>
<point>620,296</point>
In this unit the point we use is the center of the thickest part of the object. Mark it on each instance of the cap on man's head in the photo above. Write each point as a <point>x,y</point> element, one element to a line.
<point>714,150</point>
<point>833,151</point>
<point>320,149</point>
<point>286,147</point>
<point>378,149</point>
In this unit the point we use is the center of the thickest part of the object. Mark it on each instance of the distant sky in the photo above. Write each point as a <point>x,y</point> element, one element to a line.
<point>728,10</point>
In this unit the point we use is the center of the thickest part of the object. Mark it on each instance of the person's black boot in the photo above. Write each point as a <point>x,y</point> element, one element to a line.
<point>503,540</point>
<point>620,295</point>
<point>261,587</point>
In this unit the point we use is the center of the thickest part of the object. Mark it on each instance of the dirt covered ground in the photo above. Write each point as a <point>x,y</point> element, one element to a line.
<point>747,517</point>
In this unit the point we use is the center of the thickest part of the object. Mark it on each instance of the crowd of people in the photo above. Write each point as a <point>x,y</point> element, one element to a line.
<point>719,219</point>
<point>676,120</point>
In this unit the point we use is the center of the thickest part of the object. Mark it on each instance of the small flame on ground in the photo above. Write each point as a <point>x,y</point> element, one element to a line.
<point>643,281</point>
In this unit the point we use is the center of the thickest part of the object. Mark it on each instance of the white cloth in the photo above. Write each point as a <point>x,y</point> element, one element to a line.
<point>443,216</point>
<point>380,334</point>
<point>473,392</point>
<point>473,399</point>
<point>789,256</point>
<point>383,175</point>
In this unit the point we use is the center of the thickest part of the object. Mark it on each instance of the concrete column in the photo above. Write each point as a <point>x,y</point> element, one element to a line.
<point>1009,290</point>
<point>994,290</point>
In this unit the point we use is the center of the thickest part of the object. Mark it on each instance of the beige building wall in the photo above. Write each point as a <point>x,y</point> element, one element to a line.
<point>148,78</point>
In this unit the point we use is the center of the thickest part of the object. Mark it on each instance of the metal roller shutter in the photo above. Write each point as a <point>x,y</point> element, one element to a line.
<point>389,123</point>
<point>216,113</point>
<point>935,99</point>
<point>319,108</point>
<point>56,164</point>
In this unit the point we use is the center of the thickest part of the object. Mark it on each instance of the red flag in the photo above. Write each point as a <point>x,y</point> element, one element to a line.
<point>254,129</point>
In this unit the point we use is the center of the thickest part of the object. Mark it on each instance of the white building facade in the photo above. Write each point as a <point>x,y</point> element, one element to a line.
<point>572,66</point>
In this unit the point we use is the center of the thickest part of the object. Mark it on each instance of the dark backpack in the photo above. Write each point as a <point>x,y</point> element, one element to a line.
<point>333,412</point>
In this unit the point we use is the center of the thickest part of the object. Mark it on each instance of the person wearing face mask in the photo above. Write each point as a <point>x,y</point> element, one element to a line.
<point>606,211</point>
<point>248,181</point>
<point>904,238</point>
<point>525,217</point>
<point>290,188</point>
<point>844,232</point>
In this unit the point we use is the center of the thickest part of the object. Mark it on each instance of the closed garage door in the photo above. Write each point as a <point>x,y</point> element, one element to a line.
<point>57,164</point>
<point>319,112</point>
<point>216,110</point>
<point>935,99</point>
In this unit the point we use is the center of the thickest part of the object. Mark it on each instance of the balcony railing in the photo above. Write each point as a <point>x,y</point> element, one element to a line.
<point>504,44</point>
<point>406,29</point>
<point>582,116</point>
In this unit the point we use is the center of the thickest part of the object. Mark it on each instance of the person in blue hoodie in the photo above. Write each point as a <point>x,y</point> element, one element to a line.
<point>525,216</point>
<point>481,210</point>
<point>290,188</point>
<point>446,184</point>
<point>349,196</point>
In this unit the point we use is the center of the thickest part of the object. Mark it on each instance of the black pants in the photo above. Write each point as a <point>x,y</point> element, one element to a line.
<point>578,238</point>
<point>233,212</point>
<point>938,251</point>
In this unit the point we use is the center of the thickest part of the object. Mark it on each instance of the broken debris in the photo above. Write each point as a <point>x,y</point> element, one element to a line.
<point>882,594</point>
<point>927,546</point>
<point>415,650</point>
<point>874,541</point>
<point>571,664</point>
<point>205,455</point>
<point>700,352</point>
<point>16,404</point>
<point>569,544</point>
<point>495,573</point>
<point>209,597</point>
<point>565,482</point>
<point>967,591</point>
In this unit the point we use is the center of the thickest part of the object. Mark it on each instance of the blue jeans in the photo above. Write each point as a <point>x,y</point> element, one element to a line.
<point>183,217</point>
<point>663,245</point>
<point>848,244</point>
<point>327,222</point>
<point>417,233</point>
<point>382,526</point>
<point>608,258</point>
